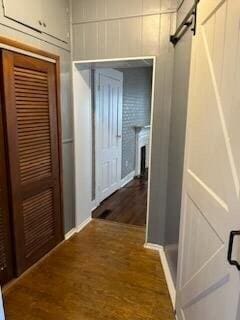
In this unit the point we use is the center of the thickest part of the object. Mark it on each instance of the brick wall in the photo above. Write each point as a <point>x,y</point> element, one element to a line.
<point>137,86</point>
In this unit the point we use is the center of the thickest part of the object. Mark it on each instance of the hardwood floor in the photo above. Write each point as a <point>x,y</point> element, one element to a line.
<point>101,273</point>
<point>127,205</point>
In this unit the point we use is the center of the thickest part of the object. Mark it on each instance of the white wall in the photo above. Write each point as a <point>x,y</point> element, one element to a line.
<point>83,142</point>
<point>118,29</point>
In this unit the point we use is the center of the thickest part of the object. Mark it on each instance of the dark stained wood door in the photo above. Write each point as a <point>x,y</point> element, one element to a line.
<point>6,265</point>
<point>32,136</point>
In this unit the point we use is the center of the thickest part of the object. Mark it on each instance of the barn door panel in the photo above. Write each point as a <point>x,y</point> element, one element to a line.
<point>31,117</point>
<point>208,285</point>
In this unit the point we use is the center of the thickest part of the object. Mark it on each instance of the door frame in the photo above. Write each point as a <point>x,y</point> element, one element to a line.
<point>118,76</point>
<point>82,105</point>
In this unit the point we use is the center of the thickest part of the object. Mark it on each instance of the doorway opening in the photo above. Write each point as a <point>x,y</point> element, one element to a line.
<point>113,102</point>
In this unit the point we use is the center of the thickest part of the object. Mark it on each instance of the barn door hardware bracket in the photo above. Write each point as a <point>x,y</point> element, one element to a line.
<point>188,21</point>
<point>232,262</point>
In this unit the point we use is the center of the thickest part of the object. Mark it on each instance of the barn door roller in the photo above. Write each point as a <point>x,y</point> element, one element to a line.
<point>189,21</point>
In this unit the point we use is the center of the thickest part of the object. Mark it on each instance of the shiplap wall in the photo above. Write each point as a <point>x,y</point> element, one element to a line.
<point>114,28</point>
<point>92,10</point>
<point>121,29</point>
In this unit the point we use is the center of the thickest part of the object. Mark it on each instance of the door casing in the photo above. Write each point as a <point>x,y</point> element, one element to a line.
<point>82,101</point>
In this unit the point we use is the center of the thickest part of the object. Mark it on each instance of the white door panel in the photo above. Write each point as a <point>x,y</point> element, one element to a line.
<point>108,121</point>
<point>208,286</point>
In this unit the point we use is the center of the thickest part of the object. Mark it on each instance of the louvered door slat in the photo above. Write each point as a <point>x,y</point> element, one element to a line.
<point>37,234</point>
<point>32,109</point>
<point>32,167</point>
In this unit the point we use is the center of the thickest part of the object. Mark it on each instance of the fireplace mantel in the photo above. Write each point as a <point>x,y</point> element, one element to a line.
<point>142,139</point>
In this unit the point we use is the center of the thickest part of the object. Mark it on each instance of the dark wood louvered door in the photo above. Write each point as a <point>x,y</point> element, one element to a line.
<point>33,144</point>
<point>6,264</point>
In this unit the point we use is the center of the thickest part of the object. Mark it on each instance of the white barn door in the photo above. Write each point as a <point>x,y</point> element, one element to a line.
<point>108,127</point>
<point>208,285</point>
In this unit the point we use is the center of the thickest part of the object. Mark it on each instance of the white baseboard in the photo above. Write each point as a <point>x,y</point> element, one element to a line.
<point>83,224</point>
<point>153,246</point>
<point>127,179</point>
<point>69,234</point>
<point>167,273</point>
<point>168,276</point>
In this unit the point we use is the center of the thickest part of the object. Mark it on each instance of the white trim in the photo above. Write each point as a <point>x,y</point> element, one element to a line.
<point>82,135</point>
<point>129,177</point>
<point>168,276</point>
<point>70,233</point>
<point>83,224</point>
<point>115,59</point>
<point>166,269</point>
<point>153,246</point>
<point>26,52</point>
<point>142,139</point>
<point>154,13</point>
<point>150,148</point>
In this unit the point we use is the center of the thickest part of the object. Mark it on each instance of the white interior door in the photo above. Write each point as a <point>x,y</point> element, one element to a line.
<point>108,126</point>
<point>208,286</point>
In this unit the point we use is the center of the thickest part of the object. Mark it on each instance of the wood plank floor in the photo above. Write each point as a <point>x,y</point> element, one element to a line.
<point>101,273</point>
<point>127,205</point>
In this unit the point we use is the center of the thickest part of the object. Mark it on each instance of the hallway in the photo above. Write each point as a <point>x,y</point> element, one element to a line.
<point>103,272</point>
<point>127,205</point>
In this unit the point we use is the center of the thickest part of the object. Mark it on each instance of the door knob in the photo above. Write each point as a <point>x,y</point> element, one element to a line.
<point>235,263</point>
<point>118,136</point>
